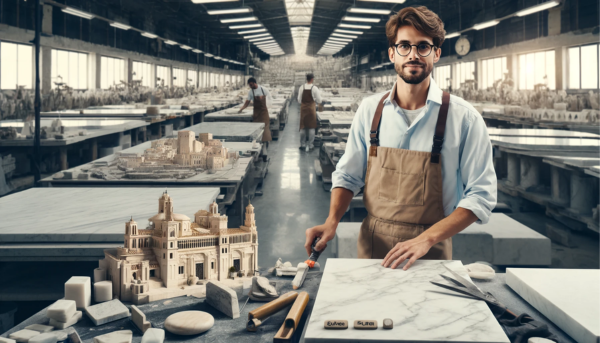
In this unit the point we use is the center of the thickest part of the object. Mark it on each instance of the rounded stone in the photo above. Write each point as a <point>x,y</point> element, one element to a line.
<point>189,323</point>
<point>538,340</point>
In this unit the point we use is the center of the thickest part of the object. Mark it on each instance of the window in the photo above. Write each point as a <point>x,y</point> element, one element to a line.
<point>465,71</point>
<point>16,65</point>
<point>442,76</point>
<point>164,256</point>
<point>171,244</point>
<point>112,72</point>
<point>212,265</point>
<point>179,77</point>
<point>171,256</point>
<point>70,67</point>
<point>143,71</point>
<point>162,74</point>
<point>492,70</point>
<point>537,68</point>
<point>584,66</point>
<point>192,78</point>
<point>212,80</point>
<point>180,270</point>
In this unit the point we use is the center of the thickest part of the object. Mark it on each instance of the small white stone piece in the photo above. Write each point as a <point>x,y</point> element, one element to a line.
<point>480,271</point>
<point>388,323</point>
<point>39,328</point>
<point>287,264</point>
<point>189,323</point>
<point>62,335</point>
<point>99,275</point>
<point>44,338</point>
<point>103,291</point>
<point>153,335</point>
<point>107,312</point>
<point>23,335</point>
<point>74,337</point>
<point>539,340</point>
<point>139,319</point>
<point>122,336</point>
<point>223,299</point>
<point>7,340</point>
<point>79,288</point>
<point>300,275</point>
<point>62,310</point>
<point>63,325</point>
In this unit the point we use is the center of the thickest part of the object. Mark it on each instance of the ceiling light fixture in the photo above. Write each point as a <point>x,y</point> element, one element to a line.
<point>170,42</point>
<point>260,39</point>
<point>349,31</point>
<point>537,8</point>
<point>237,20</point>
<point>230,11</point>
<point>368,11</point>
<point>149,35</point>
<point>363,19</point>
<point>344,36</point>
<point>218,58</point>
<point>247,26</point>
<point>210,1</point>
<point>185,47</point>
<point>78,13</point>
<point>120,26</point>
<point>337,39</point>
<point>355,26</point>
<point>486,24</point>
<point>252,31</point>
<point>266,42</point>
<point>209,55</point>
<point>197,51</point>
<point>387,1</point>
<point>257,36</point>
<point>452,35</point>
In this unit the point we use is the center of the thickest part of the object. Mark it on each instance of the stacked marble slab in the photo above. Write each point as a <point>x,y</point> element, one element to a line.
<point>231,131</point>
<point>502,241</point>
<point>570,298</point>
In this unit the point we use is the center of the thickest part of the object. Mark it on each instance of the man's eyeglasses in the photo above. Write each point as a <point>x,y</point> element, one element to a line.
<point>423,49</point>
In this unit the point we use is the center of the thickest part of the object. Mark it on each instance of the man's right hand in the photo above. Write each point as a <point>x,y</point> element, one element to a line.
<point>325,231</point>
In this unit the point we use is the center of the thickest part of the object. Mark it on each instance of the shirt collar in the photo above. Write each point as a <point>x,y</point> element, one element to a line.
<point>433,94</point>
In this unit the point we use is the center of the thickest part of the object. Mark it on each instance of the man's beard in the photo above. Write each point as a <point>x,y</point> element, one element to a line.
<point>413,77</point>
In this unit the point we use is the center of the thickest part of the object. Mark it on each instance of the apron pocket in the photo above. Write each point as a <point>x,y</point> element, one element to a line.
<point>401,188</point>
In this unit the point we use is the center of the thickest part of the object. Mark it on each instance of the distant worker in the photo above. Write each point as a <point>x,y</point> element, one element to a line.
<point>259,96</point>
<point>308,96</point>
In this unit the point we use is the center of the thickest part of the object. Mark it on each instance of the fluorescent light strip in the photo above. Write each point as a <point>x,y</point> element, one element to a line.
<point>355,26</point>
<point>260,39</point>
<point>272,41</point>
<point>230,11</point>
<point>344,36</point>
<point>209,55</point>
<point>368,10</point>
<point>77,13</point>
<point>149,35</point>
<point>362,19</point>
<point>185,47</point>
<point>247,26</point>
<point>333,46</point>
<point>197,51</point>
<point>252,31</point>
<point>210,1</point>
<point>452,35</point>
<point>170,42</point>
<point>486,25</point>
<point>349,31</point>
<point>537,8</point>
<point>257,36</point>
<point>339,40</point>
<point>218,58</point>
<point>237,20</point>
<point>120,26</point>
<point>275,45</point>
<point>386,1</point>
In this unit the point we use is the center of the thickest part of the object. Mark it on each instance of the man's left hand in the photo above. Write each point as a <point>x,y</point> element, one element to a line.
<point>413,249</point>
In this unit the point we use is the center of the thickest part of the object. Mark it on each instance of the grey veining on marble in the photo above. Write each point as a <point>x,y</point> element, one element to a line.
<point>570,298</point>
<point>421,311</point>
<point>78,215</point>
<point>231,131</point>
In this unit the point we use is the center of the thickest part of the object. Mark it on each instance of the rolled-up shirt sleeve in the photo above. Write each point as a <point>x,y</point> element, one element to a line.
<point>250,95</point>
<point>300,90</point>
<point>477,171</point>
<point>316,92</point>
<point>350,170</point>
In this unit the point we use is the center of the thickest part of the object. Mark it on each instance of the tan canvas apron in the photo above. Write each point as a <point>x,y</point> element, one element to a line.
<point>403,193</point>
<point>308,110</point>
<point>261,115</point>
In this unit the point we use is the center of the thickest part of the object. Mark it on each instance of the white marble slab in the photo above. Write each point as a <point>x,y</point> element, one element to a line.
<point>88,214</point>
<point>570,298</point>
<point>231,131</point>
<point>541,133</point>
<point>421,311</point>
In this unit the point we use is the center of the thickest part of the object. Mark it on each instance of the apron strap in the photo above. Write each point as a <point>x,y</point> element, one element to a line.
<point>376,122</point>
<point>440,129</point>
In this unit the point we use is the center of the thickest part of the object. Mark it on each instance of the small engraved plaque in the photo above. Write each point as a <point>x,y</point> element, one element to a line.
<point>336,324</point>
<point>365,324</point>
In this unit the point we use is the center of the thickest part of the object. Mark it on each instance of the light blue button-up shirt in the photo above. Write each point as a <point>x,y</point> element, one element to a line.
<point>469,178</point>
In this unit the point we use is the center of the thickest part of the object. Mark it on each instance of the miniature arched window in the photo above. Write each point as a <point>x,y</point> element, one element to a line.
<point>173,233</point>
<point>133,244</point>
<point>171,244</point>
<point>125,244</point>
<point>171,255</point>
<point>134,276</point>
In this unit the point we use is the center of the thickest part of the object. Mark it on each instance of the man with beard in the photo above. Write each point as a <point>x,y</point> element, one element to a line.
<point>424,157</point>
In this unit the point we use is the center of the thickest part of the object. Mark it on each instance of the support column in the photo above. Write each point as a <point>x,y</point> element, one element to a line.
<point>514,170</point>
<point>64,165</point>
<point>530,172</point>
<point>582,193</point>
<point>560,186</point>
<point>94,149</point>
<point>46,73</point>
<point>47,19</point>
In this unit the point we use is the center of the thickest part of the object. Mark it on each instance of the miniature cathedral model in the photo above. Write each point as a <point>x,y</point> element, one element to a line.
<point>173,252</point>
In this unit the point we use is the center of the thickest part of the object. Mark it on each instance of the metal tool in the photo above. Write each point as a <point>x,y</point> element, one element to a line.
<point>244,304</point>
<point>314,255</point>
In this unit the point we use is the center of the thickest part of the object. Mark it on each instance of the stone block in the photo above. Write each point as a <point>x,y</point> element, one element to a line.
<point>7,340</point>
<point>107,312</point>
<point>154,336</point>
<point>79,288</point>
<point>72,321</point>
<point>139,319</point>
<point>39,328</point>
<point>122,336</point>
<point>223,299</point>
<point>99,274</point>
<point>62,310</point>
<point>103,291</point>
<point>23,335</point>
<point>44,338</point>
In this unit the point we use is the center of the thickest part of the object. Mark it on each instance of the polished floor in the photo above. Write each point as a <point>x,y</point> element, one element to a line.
<point>293,199</point>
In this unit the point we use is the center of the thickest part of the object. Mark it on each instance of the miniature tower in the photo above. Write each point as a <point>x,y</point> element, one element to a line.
<point>185,142</point>
<point>131,231</point>
<point>162,200</point>
<point>250,222</point>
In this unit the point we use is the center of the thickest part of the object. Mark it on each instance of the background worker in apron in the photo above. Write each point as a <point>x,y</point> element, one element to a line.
<point>424,157</point>
<point>308,97</point>
<point>259,95</point>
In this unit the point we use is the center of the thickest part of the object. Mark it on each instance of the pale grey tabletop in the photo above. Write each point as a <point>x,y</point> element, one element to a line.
<point>231,131</point>
<point>547,143</point>
<point>111,112</point>
<point>549,133</point>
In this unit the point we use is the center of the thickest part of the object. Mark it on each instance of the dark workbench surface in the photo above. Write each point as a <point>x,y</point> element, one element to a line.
<point>228,330</point>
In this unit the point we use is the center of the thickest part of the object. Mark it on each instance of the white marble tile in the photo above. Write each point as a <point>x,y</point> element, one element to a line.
<point>421,311</point>
<point>570,298</point>
<point>89,214</point>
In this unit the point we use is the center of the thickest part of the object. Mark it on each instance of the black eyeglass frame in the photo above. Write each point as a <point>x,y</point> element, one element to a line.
<point>432,46</point>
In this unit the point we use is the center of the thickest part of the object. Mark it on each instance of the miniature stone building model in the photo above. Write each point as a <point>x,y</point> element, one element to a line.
<point>173,252</point>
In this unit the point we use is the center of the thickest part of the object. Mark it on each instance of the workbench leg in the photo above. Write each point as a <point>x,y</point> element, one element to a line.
<point>530,172</point>
<point>513,174</point>
<point>94,149</point>
<point>134,138</point>
<point>191,120</point>
<point>64,165</point>
<point>144,136</point>
<point>560,181</point>
<point>583,188</point>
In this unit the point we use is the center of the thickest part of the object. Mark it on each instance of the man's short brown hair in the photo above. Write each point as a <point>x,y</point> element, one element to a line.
<point>421,19</point>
